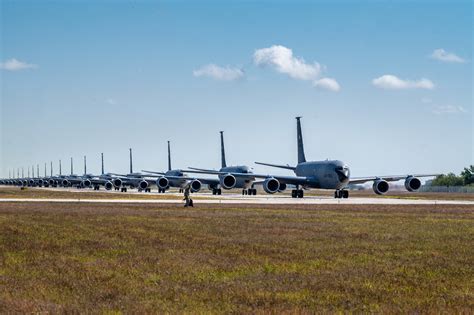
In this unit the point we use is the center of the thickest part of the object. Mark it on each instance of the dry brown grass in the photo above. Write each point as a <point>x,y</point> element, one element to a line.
<point>139,258</point>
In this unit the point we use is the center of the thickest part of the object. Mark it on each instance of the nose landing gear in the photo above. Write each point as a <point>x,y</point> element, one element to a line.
<point>338,194</point>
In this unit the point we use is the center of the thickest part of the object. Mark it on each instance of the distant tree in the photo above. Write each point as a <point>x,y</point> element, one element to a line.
<point>448,180</point>
<point>468,175</point>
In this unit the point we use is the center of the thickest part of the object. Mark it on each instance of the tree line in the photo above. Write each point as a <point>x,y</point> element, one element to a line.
<point>466,178</point>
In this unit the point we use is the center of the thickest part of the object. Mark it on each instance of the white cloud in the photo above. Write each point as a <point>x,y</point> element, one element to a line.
<point>219,73</point>
<point>426,100</point>
<point>449,109</point>
<point>282,60</point>
<point>442,55</point>
<point>328,84</point>
<point>16,65</point>
<point>111,101</point>
<point>389,81</point>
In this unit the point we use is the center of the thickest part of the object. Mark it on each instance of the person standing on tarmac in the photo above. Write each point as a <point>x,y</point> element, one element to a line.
<point>188,200</point>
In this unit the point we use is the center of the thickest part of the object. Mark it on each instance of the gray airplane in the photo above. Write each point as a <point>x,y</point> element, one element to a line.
<point>176,178</point>
<point>239,176</point>
<point>329,174</point>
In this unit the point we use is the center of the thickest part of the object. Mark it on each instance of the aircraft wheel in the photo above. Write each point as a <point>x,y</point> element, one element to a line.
<point>300,193</point>
<point>255,191</point>
<point>345,194</point>
<point>219,191</point>
<point>214,192</point>
<point>293,193</point>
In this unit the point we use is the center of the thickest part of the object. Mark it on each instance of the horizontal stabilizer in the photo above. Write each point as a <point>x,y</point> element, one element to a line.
<point>288,167</point>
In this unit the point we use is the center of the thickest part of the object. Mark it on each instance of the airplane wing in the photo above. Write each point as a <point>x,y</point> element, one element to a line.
<point>153,172</point>
<point>294,180</point>
<point>205,181</point>
<point>390,178</point>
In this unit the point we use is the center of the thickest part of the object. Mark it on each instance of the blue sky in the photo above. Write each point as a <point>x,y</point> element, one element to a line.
<point>384,86</point>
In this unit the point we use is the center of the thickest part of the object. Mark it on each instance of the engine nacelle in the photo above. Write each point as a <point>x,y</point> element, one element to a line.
<point>86,183</point>
<point>163,183</point>
<point>65,183</point>
<point>52,182</point>
<point>228,181</point>
<point>271,185</point>
<point>117,182</point>
<point>380,186</point>
<point>195,186</point>
<point>143,184</point>
<point>31,182</point>
<point>412,183</point>
<point>108,185</point>
<point>40,182</point>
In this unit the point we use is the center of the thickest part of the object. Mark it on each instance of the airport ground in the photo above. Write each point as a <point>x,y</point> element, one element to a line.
<point>221,258</point>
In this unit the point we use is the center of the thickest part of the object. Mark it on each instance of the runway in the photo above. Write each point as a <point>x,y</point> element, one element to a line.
<point>238,199</point>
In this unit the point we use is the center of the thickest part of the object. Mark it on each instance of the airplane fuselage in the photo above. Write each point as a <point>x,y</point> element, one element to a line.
<point>243,183</point>
<point>324,174</point>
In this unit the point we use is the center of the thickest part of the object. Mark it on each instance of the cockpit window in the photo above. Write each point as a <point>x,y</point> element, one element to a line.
<point>342,172</point>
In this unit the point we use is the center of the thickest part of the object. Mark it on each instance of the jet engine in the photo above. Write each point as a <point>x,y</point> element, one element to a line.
<point>65,182</point>
<point>271,185</point>
<point>109,185</point>
<point>412,183</point>
<point>380,186</point>
<point>282,187</point>
<point>40,182</point>
<point>31,182</point>
<point>143,184</point>
<point>86,183</point>
<point>162,182</point>
<point>52,182</point>
<point>228,181</point>
<point>195,185</point>
<point>117,183</point>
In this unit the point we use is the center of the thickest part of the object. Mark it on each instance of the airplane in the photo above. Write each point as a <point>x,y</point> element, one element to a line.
<point>176,178</point>
<point>239,176</point>
<point>329,174</point>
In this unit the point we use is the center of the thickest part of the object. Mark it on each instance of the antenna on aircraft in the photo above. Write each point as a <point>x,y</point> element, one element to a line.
<point>224,164</point>
<point>169,157</point>
<point>102,160</point>
<point>131,161</point>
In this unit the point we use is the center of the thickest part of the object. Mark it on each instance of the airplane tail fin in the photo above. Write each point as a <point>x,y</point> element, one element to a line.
<point>131,161</point>
<point>301,156</point>
<point>85,165</point>
<point>51,168</point>
<point>224,164</point>
<point>102,162</point>
<point>72,167</point>
<point>169,157</point>
<point>60,169</point>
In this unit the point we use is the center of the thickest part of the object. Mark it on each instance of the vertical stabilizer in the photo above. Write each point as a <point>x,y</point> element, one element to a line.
<point>51,168</point>
<point>45,171</point>
<point>131,161</point>
<point>169,157</point>
<point>224,164</point>
<point>85,165</point>
<point>22,172</point>
<point>38,170</point>
<point>60,169</point>
<point>301,157</point>
<point>102,162</point>
<point>72,168</point>
<point>28,169</point>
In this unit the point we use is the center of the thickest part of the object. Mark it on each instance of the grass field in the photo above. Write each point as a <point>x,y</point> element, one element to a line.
<point>104,258</point>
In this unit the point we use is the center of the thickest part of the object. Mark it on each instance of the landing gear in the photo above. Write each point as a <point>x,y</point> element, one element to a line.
<point>217,191</point>
<point>147,189</point>
<point>117,189</point>
<point>338,194</point>
<point>96,187</point>
<point>161,190</point>
<point>123,189</point>
<point>297,193</point>
<point>250,192</point>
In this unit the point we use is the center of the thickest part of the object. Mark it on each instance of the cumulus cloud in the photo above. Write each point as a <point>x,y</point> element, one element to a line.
<point>328,84</point>
<point>219,73</point>
<point>449,109</point>
<point>392,82</point>
<point>16,65</point>
<point>282,60</point>
<point>442,55</point>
